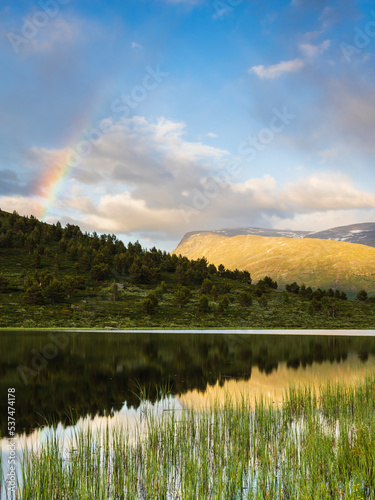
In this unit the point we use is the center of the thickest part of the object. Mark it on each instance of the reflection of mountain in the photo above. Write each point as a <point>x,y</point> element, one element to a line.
<point>97,373</point>
<point>274,385</point>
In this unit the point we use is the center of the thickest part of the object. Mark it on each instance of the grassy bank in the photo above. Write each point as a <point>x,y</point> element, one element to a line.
<point>312,445</point>
<point>277,310</point>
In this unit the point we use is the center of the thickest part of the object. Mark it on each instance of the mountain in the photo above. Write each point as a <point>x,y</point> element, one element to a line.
<point>313,261</point>
<point>363,233</point>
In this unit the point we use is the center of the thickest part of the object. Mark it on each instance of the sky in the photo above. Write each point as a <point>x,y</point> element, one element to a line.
<point>152,118</point>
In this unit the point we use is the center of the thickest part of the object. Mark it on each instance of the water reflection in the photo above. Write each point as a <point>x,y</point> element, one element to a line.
<point>96,374</point>
<point>274,385</point>
<point>130,420</point>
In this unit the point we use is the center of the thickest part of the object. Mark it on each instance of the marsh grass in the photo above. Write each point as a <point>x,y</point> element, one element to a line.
<point>317,445</point>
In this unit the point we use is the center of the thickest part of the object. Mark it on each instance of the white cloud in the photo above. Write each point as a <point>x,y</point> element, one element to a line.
<point>255,199</point>
<point>310,50</point>
<point>22,204</point>
<point>326,192</point>
<point>317,192</point>
<point>135,45</point>
<point>211,135</point>
<point>148,174</point>
<point>149,164</point>
<point>277,70</point>
<point>126,214</point>
<point>136,152</point>
<point>261,193</point>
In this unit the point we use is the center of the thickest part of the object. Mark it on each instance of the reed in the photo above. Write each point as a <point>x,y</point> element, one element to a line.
<point>319,446</point>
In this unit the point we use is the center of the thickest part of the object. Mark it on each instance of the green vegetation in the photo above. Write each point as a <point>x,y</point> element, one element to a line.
<point>312,446</point>
<point>60,277</point>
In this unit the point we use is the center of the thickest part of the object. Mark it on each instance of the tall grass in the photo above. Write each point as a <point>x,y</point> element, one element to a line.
<point>310,447</point>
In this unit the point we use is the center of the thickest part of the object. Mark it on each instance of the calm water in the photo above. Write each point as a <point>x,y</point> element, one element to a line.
<point>62,377</point>
<point>82,378</point>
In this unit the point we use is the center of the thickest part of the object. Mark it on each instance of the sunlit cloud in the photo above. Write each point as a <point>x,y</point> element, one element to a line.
<point>276,70</point>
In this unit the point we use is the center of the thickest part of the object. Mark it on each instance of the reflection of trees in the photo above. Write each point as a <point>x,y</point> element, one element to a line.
<point>363,356</point>
<point>95,374</point>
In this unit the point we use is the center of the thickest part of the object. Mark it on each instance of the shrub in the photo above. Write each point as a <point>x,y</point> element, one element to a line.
<point>149,304</point>
<point>34,295</point>
<point>206,286</point>
<point>315,305</point>
<point>293,287</point>
<point>203,305</point>
<point>223,305</point>
<point>182,296</point>
<point>245,299</point>
<point>362,295</point>
<point>55,291</point>
<point>99,272</point>
<point>268,282</point>
<point>262,301</point>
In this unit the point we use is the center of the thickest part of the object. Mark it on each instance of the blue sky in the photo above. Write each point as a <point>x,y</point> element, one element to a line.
<point>149,119</point>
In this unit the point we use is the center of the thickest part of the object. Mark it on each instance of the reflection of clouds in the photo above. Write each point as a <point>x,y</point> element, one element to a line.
<point>274,386</point>
<point>127,418</point>
<point>132,423</point>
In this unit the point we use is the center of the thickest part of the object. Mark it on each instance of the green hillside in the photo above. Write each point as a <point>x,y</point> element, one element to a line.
<point>55,277</point>
<point>315,262</point>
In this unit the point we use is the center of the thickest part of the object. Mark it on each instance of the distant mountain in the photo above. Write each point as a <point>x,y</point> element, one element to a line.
<point>315,262</point>
<point>363,234</point>
<point>257,231</point>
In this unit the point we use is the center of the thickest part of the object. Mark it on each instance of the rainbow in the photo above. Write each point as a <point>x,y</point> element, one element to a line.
<point>59,171</point>
<point>53,182</point>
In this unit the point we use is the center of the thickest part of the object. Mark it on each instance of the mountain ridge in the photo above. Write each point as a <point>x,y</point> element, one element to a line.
<point>362,233</point>
<point>313,261</point>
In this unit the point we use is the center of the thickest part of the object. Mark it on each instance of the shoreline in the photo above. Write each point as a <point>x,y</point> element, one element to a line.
<point>208,331</point>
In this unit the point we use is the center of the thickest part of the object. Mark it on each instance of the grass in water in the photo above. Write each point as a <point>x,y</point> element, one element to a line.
<point>312,446</point>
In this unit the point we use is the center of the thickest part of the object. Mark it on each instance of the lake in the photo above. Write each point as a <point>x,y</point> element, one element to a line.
<point>96,373</point>
<point>66,377</point>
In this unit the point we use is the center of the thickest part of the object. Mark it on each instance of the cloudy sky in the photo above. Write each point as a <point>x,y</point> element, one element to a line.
<point>151,118</point>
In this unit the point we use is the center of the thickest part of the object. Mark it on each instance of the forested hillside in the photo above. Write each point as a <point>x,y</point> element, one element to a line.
<point>52,276</point>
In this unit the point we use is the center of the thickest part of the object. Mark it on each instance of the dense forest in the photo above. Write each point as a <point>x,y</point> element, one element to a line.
<point>52,276</point>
